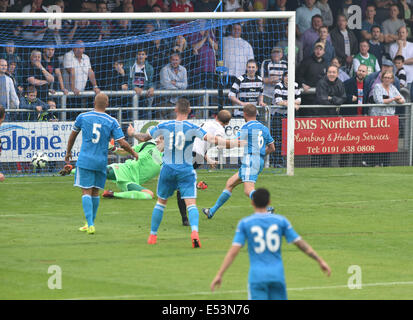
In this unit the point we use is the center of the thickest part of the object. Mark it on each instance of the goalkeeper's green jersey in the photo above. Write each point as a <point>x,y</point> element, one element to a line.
<point>142,170</point>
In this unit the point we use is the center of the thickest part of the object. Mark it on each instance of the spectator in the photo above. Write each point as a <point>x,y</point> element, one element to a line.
<point>56,36</point>
<point>8,26</point>
<point>278,114</point>
<point>34,74</point>
<point>259,36</point>
<point>309,72</point>
<point>304,15</point>
<point>38,108</point>
<point>376,44</point>
<point>89,5</point>
<point>52,66</point>
<point>344,41</point>
<point>391,26</point>
<point>173,77</point>
<point>204,46</point>
<point>85,31</point>
<point>105,26</point>
<point>404,48</point>
<point>77,65</point>
<point>342,75</point>
<point>400,72</point>
<point>344,6</point>
<point>298,47</point>
<point>236,53</point>
<point>234,5</point>
<point>15,76</point>
<point>247,89</point>
<point>384,93</point>
<point>272,71</point>
<point>159,24</point>
<point>382,9</point>
<point>149,5</point>
<point>310,36</point>
<point>354,90</point>
<point>34,29</point>
<point>205,5</point>
<point>280,5</point>
<point>52,116</point>
<point>324,38</point>
<point>10,53</point>
<point>184,50</point>
<point>326,12</point>
<point>366,58</point>
<point>141,75</point>
<point>8,96</point>
<point>180,6</point>
<point>369,22</point>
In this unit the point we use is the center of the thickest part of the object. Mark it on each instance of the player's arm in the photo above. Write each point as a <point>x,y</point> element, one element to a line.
<point>142,137</point>
<point>307,249</point>
<point>70,143</point>
<point>224,143</point>
<point>126,146</point>
<point>229,258</point>
<point>270,148</point>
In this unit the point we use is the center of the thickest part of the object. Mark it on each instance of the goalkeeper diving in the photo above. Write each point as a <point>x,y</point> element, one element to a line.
<point>130,175</point>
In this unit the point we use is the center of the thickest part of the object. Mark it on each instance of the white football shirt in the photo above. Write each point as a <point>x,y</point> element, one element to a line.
<point>212,127</point>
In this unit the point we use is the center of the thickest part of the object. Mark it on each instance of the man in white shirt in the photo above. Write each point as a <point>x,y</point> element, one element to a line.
<point>404,48</point>
<point>8,96</point>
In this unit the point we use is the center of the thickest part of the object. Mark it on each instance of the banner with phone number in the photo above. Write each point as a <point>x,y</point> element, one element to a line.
<point>342,135</point>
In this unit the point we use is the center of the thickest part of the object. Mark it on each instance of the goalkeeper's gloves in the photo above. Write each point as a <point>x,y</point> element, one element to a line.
<point>111,146</point>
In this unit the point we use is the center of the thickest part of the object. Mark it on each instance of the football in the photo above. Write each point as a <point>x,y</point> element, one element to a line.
<point>40,160</point>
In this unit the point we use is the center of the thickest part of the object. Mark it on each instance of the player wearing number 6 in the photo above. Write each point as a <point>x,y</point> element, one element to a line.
<point>97,129</point>
<point>263,232</point>
<point>260,143</point>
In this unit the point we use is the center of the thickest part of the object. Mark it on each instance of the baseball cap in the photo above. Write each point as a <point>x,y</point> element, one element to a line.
<point>319,44</point>
<point>387,62</point>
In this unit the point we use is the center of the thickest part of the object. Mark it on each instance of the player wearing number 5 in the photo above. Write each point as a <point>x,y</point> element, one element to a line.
<point>260,143</point>
<point>263,232</point>
<point>97,129</point>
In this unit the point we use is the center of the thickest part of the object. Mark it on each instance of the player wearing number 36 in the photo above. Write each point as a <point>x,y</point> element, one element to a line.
<point>97,128</point>
<point>263,232</point>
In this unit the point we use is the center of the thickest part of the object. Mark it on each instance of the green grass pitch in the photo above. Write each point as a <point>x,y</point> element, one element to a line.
<point>355,216</point>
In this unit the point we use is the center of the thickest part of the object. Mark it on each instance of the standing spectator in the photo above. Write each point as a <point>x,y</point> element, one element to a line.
<point>10,53</point>
<point>329,51</point>
<point>52,66</point>
<point>366,58</point>
<point>105,26</point>
<point>342,74</point>
<point>400,71</point>
<point>259,36</point>
<point>184,50</point>
<point>58,37</point>
<point>9,27</point>
<point>369,22</point>
<point>376,44</point>
<point>34,29</point>
<point>15,77</point>
<point>391,26</point>
<point>159,24</point>
<point>325,12</point>
<point>173,77</point>
<point>344,41</point>
<point>272,71</point>
<point>8,96</point>
<point>183,6</point>
<point>298,48</point>
<point>247,89</point>
<point>280,113</point>
<point>310,36</point>
<point>141,75</point>
<point>382,9</point>
<point>384,93</point>
<point>404,48</point>
<point>34,74</point>
<point>232,5</point>
<point>304,15</point>
<point>205,5</point>
<point>236,53</point>
<point>2,117</point>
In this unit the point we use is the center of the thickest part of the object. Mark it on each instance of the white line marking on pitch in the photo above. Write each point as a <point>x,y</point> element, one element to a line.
<point>379,284</point>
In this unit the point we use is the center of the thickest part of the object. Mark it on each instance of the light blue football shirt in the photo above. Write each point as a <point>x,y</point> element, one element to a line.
<point>97,130</point>
<point>258,137</point>
<point>263,232</point>
<point>179,138</point>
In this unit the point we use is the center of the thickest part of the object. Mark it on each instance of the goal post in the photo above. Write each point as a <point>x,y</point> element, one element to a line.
<point>214,18</point>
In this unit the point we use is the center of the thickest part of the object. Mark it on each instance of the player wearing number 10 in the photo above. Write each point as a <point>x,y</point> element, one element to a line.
<point>97,129</point>
<point>263,232</point>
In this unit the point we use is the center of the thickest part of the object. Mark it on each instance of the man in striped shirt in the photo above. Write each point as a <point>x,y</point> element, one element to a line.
<point>247,89</point>
<point>271,73</point>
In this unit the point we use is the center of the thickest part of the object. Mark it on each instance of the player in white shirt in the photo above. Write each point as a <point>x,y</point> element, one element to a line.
<point>200,150</point>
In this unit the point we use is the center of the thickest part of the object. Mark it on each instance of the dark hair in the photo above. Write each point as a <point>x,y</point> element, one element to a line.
<point>364,40</point>
<point>375,26</point>
<point>2,112</point>
<point>317,16</point>
<point>252,61</point>
<point>398,58</point>
<point>31,89</point>
<point>250,110</point>
<point>261,198</point>
<point>183,106</point>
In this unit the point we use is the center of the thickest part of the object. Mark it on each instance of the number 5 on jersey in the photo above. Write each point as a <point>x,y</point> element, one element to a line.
<point>96,132</point>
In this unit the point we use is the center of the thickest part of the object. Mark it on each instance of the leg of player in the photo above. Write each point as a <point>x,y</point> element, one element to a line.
<point>249,188</point>
<point>95,202</point>
<point>87,204</point>
<point>157,215</point>
<point>2,177</point>
<point>182,209</point>
<point>130,190</point>
<point>232,182</point>
<point>193,216</point>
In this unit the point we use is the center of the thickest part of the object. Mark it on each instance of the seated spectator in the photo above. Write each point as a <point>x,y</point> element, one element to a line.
<point>10,53</point>
<point>404,48</point>
<point>247,89</point>
<point>180,6</point>
<point>304,15</point>
<point>391,26</point>
<point>344,41</point>
<point>376,44</point>
<point>38,108</point>
<point>236,52</point>
<point>310,36</point>
<point>326,12</point>
<point>35,74</point>
<point>272,71</point>
<point>205,5</point>
<point>369,22</point>
<point>34,29</point>
<point>342,74</point>
<point>85,31</point>
<point>400,72</point>
<point>366,58</point>
<point>324,38</point>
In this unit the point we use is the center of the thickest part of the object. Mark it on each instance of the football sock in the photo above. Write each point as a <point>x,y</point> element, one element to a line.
<point>135,195</point>
<point>95,202</point>
<point>251,193</point>
<point>181,204</point>
<point>88,209</point>
<point>225,195</point>
<point>157,215</point>
<point>193,216</point>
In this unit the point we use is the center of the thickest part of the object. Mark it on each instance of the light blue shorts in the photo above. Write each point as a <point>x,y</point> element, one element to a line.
<point>267,291</point>
<point>86,179</point>
<point>171,179</point>
<point>250,168</point>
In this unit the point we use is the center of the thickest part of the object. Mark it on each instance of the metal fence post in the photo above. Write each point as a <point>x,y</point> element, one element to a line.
<point>63,102</point>
<point>411,136</point>
<point>135,104</point>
